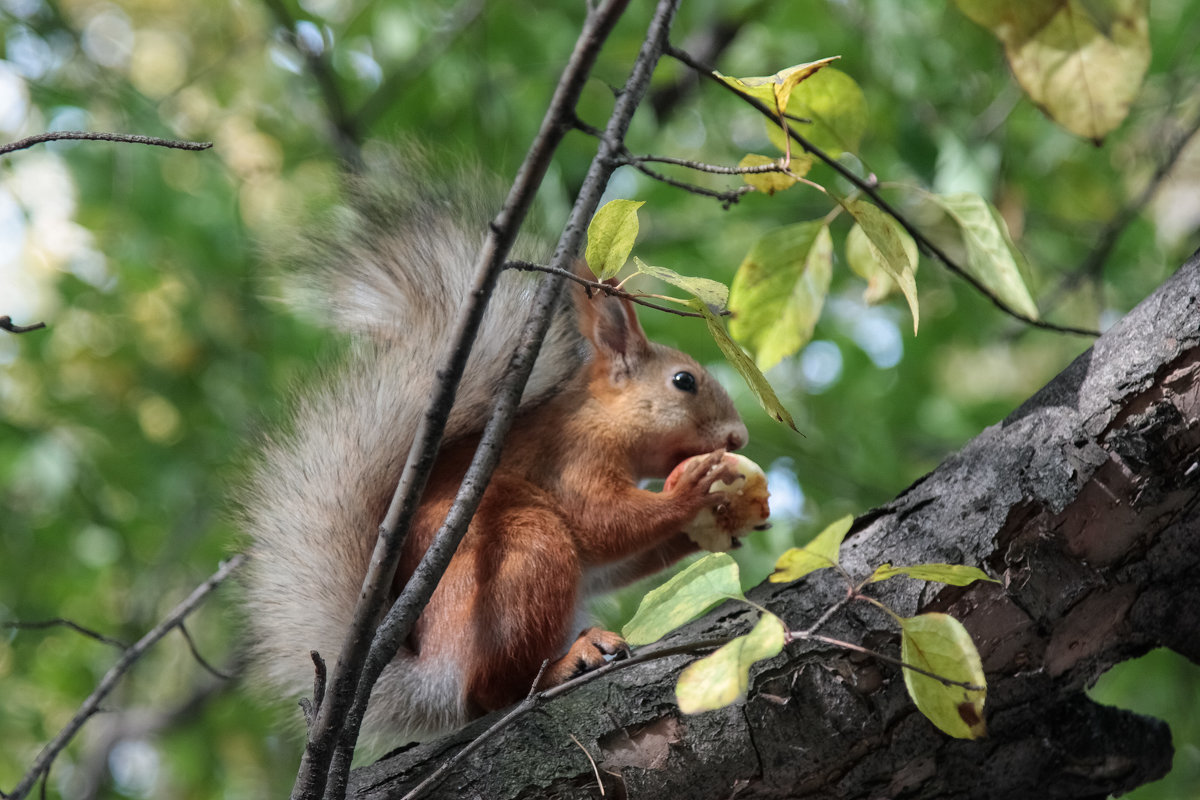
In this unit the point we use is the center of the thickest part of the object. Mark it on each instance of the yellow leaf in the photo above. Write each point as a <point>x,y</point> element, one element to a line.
<point>722,678</point>
<point>952,574</point>
<point>1080,61</point>
<point>712,293</point>
<point>888,247</point>
<point>820,553</point>
<point>775,90</point>
<point>836,108</point>
<point>771,182</point>
<point>938,643</point>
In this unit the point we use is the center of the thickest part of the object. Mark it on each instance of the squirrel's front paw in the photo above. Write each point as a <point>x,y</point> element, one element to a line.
<point>694,478</point>
<point>594,648</point>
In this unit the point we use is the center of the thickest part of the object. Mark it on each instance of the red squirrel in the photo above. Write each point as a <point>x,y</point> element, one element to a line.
<point>563,517</point>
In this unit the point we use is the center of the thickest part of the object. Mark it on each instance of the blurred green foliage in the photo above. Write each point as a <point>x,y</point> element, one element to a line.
<point>125,423</point>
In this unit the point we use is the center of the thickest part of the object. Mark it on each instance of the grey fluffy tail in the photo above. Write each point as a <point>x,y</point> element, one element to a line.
<point>392,273</point>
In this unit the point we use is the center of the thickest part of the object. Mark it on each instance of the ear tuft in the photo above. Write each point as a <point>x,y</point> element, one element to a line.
<point>612,326</point>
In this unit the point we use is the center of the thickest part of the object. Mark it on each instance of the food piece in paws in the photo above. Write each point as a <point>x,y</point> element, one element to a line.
<point>743,510</point>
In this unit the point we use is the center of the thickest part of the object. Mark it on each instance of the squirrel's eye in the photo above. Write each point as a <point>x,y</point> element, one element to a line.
<point>684,382</point>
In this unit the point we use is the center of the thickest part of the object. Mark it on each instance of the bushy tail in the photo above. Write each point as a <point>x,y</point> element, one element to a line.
<point>392,272</point>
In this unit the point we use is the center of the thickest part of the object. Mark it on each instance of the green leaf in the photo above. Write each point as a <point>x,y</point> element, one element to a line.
<point>721,678</point>
<point>992,258</point>
<point>611,235</point>
<point>779,290</point>
<point>776,90</point>
<point>820,553</point>
<point>952,574</point>
<point>888,247</point>
<point>745,366</point>
<point>939,643</point>
<point>837,108</point>
<point>714,294</point>
<point>771,182</point>
<point>1080,61</point>
<point>711,580</point>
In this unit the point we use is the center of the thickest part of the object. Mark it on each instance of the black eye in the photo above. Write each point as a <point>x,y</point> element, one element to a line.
<point>684,382</point>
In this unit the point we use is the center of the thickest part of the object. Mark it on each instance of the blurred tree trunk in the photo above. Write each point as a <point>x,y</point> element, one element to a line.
<point>1083,501</point>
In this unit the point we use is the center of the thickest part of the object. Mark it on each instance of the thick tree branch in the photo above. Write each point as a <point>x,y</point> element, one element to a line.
<point>1085,501</point>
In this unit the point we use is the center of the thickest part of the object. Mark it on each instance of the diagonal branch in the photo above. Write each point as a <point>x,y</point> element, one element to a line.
<point>927,246</point>
<point>336,723</point>
<point>41,765</point>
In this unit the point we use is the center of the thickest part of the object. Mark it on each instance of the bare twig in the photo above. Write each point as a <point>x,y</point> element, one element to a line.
<point>99,136</point>
<point>7,324</point>
<point>1094,261</point>
<point>216,673</point>
<point>66,623</point>
<point>592,761</point>
<point>870,190</point>
<point>41,765</point>
<point>816,637</point>
<point>347,135</point>
<point>408,75</point>
<point>328,752</point>
<point>599,286</point>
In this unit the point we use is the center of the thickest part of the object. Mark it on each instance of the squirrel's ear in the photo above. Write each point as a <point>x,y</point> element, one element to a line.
<point>612,327</point>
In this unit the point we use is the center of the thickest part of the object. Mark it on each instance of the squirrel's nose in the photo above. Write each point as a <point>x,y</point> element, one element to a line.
<point>737,438</point>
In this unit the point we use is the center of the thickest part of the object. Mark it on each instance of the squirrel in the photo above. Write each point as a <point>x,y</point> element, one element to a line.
<point>563,517</point>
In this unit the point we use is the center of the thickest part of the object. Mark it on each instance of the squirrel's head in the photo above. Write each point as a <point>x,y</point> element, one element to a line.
<point>662,401</point>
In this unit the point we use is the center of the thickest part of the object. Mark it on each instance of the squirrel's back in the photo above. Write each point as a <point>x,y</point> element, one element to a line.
<point>392,272</point>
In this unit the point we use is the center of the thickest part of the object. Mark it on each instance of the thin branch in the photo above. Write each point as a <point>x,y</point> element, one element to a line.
<point>347,135</point>
<point>815,637</point>
<point>99,136</point>
<point>599,286</point>
<point>325,765</point>
<point>66,623</point>
<point>216,673</point>
<point>867,188</point>
<point>408,75</point>
<point>41,765</point>
<point>7,324</point>
<point>1094,261</point>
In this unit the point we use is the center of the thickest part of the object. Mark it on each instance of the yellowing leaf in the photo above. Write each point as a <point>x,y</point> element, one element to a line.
<point>820,553</point>
<point>779,290</point>
<point>952,574</point>
<point>836,107</point>
<point>721,678</point>
<point>992,258</point>
<point>771,182</point>
<point>938,643</point>
<point>711,580</point>
<point>713,293</point>
<point>1080,61</point>
<point>745,366</point>
<point>775,90</point>
<point>610,237</point>
<point>888,248</point>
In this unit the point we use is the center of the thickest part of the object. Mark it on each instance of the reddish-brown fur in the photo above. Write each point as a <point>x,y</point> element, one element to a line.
<point>564,500</point>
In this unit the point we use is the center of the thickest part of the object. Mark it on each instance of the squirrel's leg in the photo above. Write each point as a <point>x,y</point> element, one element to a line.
<point>526,575</point>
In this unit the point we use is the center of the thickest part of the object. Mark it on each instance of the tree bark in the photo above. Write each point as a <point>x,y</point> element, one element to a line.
<point>1082,502</point>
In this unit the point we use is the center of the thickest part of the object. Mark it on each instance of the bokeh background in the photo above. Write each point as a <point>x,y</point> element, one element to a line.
<point>126,423</point>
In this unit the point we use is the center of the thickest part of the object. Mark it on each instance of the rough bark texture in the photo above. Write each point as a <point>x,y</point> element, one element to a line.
<point>1083,501</point>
